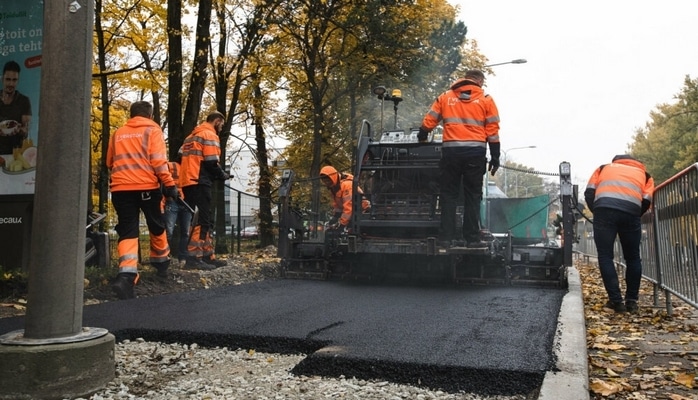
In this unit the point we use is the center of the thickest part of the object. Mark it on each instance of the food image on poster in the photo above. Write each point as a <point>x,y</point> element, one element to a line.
<point>23,158</point>
<point>8,127</point>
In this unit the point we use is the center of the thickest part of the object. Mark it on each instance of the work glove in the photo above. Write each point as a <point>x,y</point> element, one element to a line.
<point>171,192</point>
<point>334,220</point>
<point>225,176</point>
<point>494,165</point>
<point>422,135</point>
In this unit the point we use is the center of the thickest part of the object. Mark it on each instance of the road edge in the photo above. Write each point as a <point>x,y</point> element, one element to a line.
<point>571,380</point>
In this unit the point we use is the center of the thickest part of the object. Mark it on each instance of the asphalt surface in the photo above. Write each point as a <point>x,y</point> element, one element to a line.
<point>480,339</point>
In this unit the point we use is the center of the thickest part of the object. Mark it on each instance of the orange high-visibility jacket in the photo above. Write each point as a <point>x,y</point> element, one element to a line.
<point>623,185</point>
<point>201,153</point>
<point>470,118</point>
<point>341,189</point>
<point>137,157</point>
<point>175,167</point>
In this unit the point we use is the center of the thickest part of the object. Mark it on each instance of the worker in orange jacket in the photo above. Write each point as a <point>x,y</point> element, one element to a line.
<point>470,124</point>
<point>618,194</point>
<point>341,187</point>
<point>201,153</point>
<point>137,159</point>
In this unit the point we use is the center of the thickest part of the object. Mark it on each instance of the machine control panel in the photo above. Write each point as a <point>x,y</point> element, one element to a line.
<point>406,137</point>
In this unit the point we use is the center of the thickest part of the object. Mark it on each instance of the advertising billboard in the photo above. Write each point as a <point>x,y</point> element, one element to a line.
<point>21,28</point>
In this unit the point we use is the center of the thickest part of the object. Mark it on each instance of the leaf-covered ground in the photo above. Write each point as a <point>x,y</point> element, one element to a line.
<point>649,355</point>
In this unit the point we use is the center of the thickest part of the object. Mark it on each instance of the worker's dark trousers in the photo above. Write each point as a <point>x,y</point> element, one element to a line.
<point>468,172</point>
<point>609,223</point>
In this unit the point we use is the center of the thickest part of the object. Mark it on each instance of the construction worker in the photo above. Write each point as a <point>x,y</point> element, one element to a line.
<point>177,213</point>
<point>470,124</point>
<point>341,188</point>
<point>137,159</point>
<point>201,153</point>
<point>618,194</point>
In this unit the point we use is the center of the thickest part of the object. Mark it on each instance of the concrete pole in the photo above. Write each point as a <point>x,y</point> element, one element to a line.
<point>55,354</point>
<point>56,263</point>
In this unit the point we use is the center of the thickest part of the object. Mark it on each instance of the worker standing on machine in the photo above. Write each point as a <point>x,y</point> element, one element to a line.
<point>341,188</point>
<point>137,159</point>
<point>470,124</point>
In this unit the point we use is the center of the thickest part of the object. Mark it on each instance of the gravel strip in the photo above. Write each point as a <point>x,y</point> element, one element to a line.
<point>158,371</point>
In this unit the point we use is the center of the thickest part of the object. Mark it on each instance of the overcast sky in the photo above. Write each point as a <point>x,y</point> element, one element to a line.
<point>595,71</point>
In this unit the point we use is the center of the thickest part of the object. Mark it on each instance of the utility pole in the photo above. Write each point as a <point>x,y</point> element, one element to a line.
<point>55,356</point>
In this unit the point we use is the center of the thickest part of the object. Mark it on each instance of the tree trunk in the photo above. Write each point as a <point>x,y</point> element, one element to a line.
<point>266,233</point>
<point>103,178</point>
<point>175,133</point>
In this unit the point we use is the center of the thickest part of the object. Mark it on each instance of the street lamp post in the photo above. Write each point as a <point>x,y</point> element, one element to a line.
<point>532,187</point>
<point>517,61</point>
<point>504,163</point>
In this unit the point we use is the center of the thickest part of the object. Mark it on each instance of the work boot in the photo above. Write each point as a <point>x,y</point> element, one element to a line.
<point>631,307</point>
<point>486,235</point>
<point>161,268</point>
<point>618,307</point>
<point>215,262</point>
<point>197,263</point>
<point>123,286</point>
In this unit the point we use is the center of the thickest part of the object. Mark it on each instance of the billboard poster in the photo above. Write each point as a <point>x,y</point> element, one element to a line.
<point>21,27</point>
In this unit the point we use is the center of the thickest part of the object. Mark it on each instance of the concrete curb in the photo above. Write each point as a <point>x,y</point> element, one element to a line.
<point>571,381</point>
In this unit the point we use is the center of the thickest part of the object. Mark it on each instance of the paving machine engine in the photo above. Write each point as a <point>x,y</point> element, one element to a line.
<point>398,237</point>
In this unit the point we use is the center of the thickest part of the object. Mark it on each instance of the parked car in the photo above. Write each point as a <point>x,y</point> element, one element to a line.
<point>250,232</point>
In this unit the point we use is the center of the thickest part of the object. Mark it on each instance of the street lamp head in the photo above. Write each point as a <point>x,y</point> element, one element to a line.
<point>517,148</point>
<point>379,91</point>
<point>517,61</point>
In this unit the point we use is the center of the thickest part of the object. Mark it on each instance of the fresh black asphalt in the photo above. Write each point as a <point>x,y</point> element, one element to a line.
<point>480,339</point>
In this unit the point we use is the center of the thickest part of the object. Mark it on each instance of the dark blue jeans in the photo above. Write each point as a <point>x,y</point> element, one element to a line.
<point>609,223</point>
<point>177,213</point>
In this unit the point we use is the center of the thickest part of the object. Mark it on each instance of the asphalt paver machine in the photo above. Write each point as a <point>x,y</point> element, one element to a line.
<point>398,237</point>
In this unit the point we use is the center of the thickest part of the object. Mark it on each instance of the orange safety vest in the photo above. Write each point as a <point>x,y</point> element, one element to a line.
<point>470,118</point>
<point>200,146</point>
<point>137,157</point>
<point>621,185</point>
<point>174,170</point>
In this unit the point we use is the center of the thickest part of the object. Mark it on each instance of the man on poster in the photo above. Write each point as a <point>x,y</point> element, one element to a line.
<point>15,110</point>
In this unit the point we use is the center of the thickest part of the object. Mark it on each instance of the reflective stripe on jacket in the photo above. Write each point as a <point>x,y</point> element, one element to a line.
<point>200,149</point>
<point>621,185</point>
<point>470,118</point>
<point>137,157</point>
